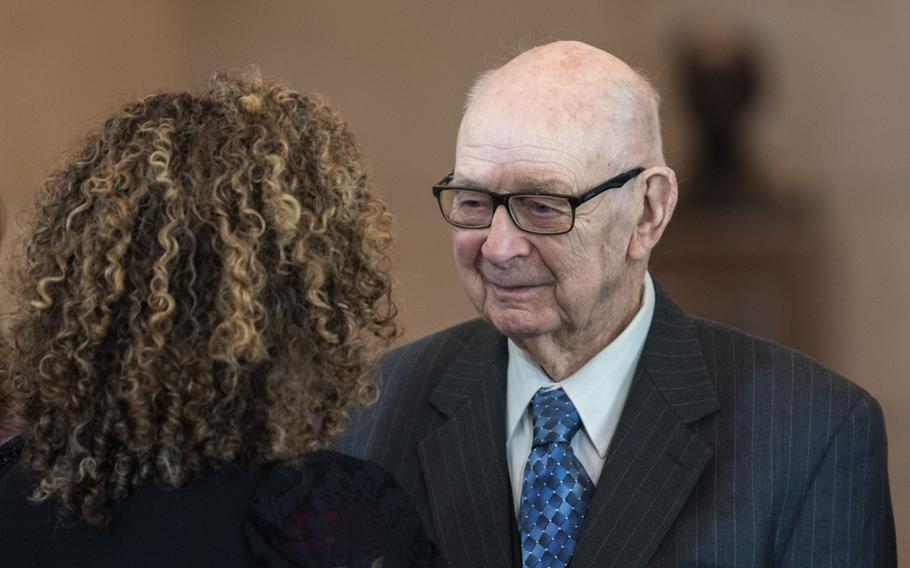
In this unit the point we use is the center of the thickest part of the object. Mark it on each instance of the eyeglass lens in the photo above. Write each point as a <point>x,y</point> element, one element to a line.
<point>538,213</point>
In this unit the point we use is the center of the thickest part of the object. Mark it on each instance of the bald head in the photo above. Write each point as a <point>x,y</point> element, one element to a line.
<point>573,90</point>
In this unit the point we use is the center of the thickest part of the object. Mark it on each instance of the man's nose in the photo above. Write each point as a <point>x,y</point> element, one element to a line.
<point>504,241</point>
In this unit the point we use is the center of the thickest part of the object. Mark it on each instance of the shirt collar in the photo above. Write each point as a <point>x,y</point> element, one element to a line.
<point>598,390</point>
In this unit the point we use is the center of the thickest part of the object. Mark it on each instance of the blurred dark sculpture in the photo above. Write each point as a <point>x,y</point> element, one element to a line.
<point>721,80</point>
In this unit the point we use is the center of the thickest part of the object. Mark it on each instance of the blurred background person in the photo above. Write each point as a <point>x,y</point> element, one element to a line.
<point>203,291</point>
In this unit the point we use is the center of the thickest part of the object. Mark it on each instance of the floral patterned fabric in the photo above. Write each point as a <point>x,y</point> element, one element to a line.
<point>334,510</point>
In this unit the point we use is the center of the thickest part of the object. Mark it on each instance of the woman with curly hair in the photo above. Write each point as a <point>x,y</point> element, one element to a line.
<point>203,292</point>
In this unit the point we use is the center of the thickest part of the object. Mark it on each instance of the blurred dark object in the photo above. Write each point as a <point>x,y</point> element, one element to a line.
<point>734,252</point>
<point>721,82</point>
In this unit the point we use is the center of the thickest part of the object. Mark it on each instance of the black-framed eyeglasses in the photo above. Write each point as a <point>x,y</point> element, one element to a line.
<point>533,212</point>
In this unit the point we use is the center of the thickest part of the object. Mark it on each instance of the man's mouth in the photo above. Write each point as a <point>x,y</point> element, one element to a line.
<point>513,283</point>
<point>512,286</point>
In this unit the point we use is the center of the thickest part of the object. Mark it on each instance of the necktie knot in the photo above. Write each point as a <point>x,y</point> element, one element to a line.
<point>556,420</point>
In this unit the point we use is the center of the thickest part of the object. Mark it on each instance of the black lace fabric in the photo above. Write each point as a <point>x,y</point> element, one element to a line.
<point>9,452</point>
<point>332,511</point>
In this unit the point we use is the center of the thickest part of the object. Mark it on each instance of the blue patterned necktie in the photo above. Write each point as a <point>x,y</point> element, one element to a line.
<point>556,489</point>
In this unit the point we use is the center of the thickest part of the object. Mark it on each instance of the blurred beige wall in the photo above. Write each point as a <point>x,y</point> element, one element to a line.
<point>835,116</point>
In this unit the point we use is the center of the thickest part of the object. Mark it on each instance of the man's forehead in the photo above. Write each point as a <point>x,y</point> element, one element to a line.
<point>536,110</point>
<point>570,130</point>
<point>517,161</point>
<point>514,150</point>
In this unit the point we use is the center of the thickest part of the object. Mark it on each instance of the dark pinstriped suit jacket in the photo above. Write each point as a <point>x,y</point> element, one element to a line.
<point>731,451</point>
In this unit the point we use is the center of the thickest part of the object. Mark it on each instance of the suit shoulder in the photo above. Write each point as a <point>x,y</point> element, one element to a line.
<point>408,376</point>
<point>735,355</point>
<point>432,350</point>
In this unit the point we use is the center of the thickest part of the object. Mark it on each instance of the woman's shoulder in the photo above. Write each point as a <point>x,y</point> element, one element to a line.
<point>325,470</point>
<point>330,509</point>
<point>327,479</point>
<point>9,453</point>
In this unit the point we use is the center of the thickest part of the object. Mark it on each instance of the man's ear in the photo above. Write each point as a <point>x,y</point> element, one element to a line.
<point>661,193</point>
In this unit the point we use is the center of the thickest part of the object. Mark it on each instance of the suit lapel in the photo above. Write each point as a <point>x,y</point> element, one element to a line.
<point>464,461</point>
<point>654,459</point>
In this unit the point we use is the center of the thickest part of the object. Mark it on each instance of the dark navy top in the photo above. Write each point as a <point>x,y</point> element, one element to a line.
<point>328,510</point>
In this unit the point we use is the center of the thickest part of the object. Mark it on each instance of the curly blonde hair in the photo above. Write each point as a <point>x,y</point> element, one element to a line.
<point>205,283</point>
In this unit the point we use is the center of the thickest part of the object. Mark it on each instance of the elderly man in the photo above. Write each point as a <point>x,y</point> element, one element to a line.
<point>585,417</point>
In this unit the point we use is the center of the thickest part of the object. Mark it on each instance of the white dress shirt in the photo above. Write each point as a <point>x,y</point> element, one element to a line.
<point>598,390</point>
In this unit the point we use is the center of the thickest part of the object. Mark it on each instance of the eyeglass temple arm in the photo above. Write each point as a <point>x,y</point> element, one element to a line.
<point>611,183</point>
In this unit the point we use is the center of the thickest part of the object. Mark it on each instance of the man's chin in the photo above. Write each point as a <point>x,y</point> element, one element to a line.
<point>520,324</point>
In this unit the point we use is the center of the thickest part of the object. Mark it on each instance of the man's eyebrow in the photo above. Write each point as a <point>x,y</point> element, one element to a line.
<point>520,184</point>
<point>466,183</point>
<point>541,184</point>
